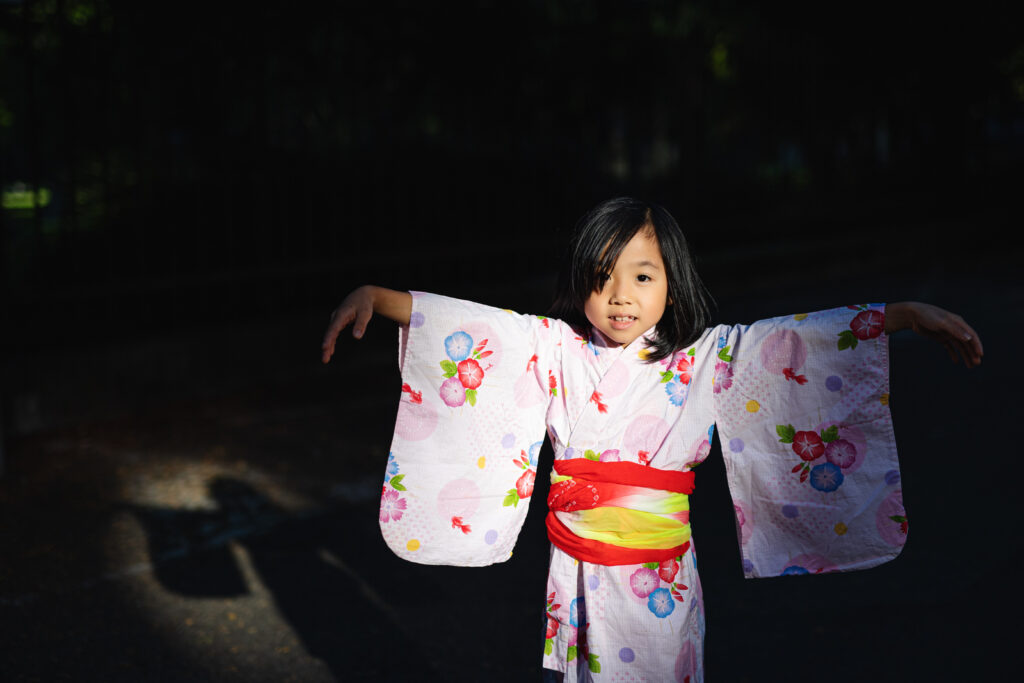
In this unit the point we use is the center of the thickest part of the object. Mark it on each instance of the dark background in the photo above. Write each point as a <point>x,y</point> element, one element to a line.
<point>189,190</point>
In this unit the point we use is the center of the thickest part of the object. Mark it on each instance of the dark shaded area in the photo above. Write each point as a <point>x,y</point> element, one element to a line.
<point>255,430</point>
<point>187,494</point>
<point>249,161</point>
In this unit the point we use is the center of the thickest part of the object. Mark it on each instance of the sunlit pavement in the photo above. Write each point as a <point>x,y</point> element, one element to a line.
<point>216,521</point>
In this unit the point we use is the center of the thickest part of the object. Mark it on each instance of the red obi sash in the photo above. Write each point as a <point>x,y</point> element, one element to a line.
<point>615,513</point>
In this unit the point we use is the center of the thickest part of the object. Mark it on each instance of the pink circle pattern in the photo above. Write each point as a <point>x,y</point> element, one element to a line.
<point>415,421</point>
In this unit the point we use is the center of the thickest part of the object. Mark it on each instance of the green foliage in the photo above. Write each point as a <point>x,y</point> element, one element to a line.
<point>785,432</point>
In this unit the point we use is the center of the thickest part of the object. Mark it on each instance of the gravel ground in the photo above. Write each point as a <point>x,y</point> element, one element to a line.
<point>196,509</point>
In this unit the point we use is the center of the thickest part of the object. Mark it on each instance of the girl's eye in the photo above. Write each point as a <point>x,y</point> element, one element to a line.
<point>643,278</point>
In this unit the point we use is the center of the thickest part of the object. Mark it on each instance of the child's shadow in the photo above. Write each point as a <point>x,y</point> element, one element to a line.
<point>332,609</point>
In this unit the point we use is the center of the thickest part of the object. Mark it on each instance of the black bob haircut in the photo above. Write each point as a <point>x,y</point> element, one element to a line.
<point>595,245</point>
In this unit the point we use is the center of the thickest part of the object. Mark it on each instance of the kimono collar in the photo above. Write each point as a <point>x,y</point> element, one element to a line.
<point>602,342</point>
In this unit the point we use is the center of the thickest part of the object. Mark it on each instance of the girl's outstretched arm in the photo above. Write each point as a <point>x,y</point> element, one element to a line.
<point>359,306</point>
<point>947,328</point>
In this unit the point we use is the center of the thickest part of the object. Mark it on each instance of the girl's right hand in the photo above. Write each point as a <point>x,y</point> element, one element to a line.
<point>358,307</point>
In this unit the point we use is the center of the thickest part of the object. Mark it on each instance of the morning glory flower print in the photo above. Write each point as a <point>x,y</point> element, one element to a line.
<point>577,609</point>
<point>458,346</point>
<point>722,378</point>
<point>452,392</point>
<point>826,477</point>
<point>794,570</point>
<point>392,467</point>
<point>660,602</point>
<point>391,506</point>
<point>643,581</point>
<point>677,392</point>
<point>534,452</point>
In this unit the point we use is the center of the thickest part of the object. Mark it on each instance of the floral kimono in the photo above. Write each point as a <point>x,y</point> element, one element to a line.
<point>801,403</point>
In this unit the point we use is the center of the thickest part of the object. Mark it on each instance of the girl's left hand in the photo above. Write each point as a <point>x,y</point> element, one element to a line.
<point>947,328</point>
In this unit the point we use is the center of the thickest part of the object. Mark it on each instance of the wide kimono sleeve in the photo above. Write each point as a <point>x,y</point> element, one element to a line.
<point>802,408</point>
<point>470,425</point>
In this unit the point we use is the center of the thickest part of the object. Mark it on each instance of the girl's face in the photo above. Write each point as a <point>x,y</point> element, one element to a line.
<point>633,296</point>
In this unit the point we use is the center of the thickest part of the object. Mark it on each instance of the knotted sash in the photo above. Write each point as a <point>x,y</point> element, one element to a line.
<point>616,513</point>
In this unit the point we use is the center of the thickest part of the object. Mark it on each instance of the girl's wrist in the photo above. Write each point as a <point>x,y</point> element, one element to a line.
<point>898,316</point>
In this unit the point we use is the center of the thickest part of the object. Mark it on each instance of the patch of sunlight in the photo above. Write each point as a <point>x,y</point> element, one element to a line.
<point>21,196</point>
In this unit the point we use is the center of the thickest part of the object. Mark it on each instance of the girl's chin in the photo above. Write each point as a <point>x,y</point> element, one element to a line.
<point>619,337</point>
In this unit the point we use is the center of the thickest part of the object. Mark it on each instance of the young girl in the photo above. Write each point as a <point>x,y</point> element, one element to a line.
<point>630,386</point>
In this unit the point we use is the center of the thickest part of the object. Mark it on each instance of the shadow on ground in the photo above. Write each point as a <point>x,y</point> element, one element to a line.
<point>215,520</point>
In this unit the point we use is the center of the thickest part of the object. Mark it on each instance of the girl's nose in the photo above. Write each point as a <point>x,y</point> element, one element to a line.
<point>619,295</point>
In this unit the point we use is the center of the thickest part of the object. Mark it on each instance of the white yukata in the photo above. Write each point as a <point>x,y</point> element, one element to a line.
<point>801,403</point>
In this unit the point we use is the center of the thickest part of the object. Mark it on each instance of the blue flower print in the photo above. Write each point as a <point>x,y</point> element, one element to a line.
<point>677,392</point>
<point>794,570</point>
<point>826,477</point>
<point>534,452</point>
<point>660,602</point>
<point>392,467</point>
<point>458,346</point>
<point>578,611</point>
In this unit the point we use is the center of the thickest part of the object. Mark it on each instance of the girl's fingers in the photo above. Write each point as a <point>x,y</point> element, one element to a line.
<point>950,350</point>
<point>341,317</point>
<point>362,318</point>
<point>974,340</point>
<point>953,332</point>
<point>968,343</point>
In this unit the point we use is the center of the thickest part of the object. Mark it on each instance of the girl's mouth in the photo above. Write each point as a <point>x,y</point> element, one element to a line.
<point>621,322</point>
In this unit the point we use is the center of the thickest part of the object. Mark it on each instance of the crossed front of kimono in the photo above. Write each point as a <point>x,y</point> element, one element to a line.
<point>801,405</point>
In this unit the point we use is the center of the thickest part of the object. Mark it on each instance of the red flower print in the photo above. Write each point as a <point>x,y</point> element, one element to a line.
<point>596,398</point>
<point>643,457</point>
<point>685,369</point>
<point>667,570</point>
<point>808,445</point>
<point>552,627</point>
<point>868,324</point>
<point>552,383</point>
<point>524,485</point>
<point>470,373</point>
